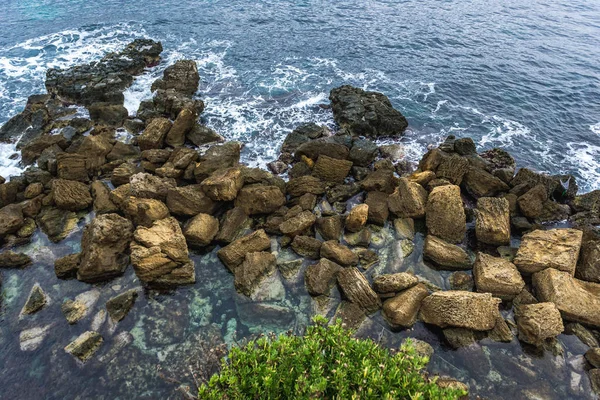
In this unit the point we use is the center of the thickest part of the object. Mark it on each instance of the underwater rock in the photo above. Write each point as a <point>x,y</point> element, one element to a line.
<point>201,230</point>
<point>104,248</point>
<point>84,347</point>
<point>73,310</point>
<point>321,277</point>
<point>497,276</point>
<point>554,248</point>
<point>446,217</point>
<point>31,339</point>
<point>36,300</point>
<point>578,301</point>
<point>492,221</point>
<point>119,306</point>
<point>66,267</point>
<point>363,113</point>
<point>253,270</point>
<point>476,311</point>
<point>446,255</point>
<point>55,223</point>
<point>593,357</point>
<point>401,311</point>
<point>351,315</point>
<point>234,253</point>
<point>538,322</point>
<point>10,259</point>
<point>459,337</point>
<point>357,289</point>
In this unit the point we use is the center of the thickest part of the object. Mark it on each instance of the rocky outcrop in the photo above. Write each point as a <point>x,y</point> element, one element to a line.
<point>577,301</point>
<point>492,221</point>
<point>446,255</point>
<point>446,217</point>
<point>182,76</point>
<point>401,311</point>
<point>106,79</point>
<point>104,248</point>
<point>363,113</point>
<point>476,311</point>
<point>497,276</point>
<point>555,248</point>
<point>159,254</point>
<point>538,322</point>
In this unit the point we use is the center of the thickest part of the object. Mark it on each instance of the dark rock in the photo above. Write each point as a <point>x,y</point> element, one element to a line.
<point>71,195</point>
<point>84,347</point>
<point>11,219</point>
<point>217,157</point>
<point>232,225</point>
<point>321,277</point>
<point>325,146</point>
<point>260,199</point>
<point>10,259</point>
<point>36,300</point>
<point>480,183</point>
<point>34,149</point>
<point>297,224</point>
<point>56,223</point>
<point>588,265</point>
<point>148,186</point>
<point>107,113</point>
<point>531,203</point>
<point>342,192</point>
<point>144,211</point>
<point>381,181</point>
<point>378,207</point>
<point>253,270</point>
<point>66,267</point>
<point>71,167</point>
<point>465,146</point>
<point>363,152</point>
<point>122,174</point>
<point>409,200</point>
<point>201,135</point>
<point>189,201</point>
<point>366,113</point>
<point>155,133</point>
<point>302,134</point>
<point>305,184</point>
<point>307,246</point>
<point>356,288</point>
<point>119,306</point>
<point>330,228</point>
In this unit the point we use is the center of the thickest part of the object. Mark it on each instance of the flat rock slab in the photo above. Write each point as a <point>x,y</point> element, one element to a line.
<point>577,300</point>
<point>555,248</point>
<point>497,276</point>
<point>454,308</point>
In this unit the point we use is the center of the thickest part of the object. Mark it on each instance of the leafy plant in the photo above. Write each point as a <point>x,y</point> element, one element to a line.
<point>327,362</point>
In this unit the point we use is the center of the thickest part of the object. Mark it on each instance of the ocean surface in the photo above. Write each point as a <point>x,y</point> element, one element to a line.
<point>521,75</point>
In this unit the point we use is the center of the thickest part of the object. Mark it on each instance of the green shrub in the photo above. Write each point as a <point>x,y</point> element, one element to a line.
<point>327,362</point>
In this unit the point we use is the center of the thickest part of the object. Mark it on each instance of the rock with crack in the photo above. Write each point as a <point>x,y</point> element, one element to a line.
<point>84,347</point>
<point>357,289</point>
<point>446,255</point>
<point>453,308</point>
<point>401,311</point>
<point>159,254</point>
<point>255,268</point>
<point>36,300</point>
<point>577,301</point>
<point>234,253</point>
<point>201,230</point>
<point>71,195</point>
<point>223,185</point>
<point>446,217</point>
<point>104,248</point>
<point>497,276</point>
<point>119,306</point>
<point>321,277</point>
<point>555,248</point>
<point>409,200</point>
<point>538,322</point>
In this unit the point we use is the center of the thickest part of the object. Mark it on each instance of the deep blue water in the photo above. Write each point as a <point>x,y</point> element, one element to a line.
<point>523,75</point>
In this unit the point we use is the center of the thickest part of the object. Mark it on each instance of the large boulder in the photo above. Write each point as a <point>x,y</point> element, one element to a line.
<point>302,134</point>
<point>182,76</point>
<point>578,301</point>
<point>159,254</point>
<point>357,289</point>
<point>363,113</point>
<point>538,322</point>
<point>217,157</point>
<point>71,195</point>
<point>492,221</point>
<point>453,169</point>
<point>234,253</point>
<point>233,224</point>
<point>409,200</point>
<point>555,248</point>
<point>260,199</point>
<point>394,283</point>
<point>446,255</point>
<point>454,308</point>
<point>11,219</point>
<point>297,187</point>
<point>188,201</point>
<point>446,217</point>
<point>254,269</point>
<point>480,183</point>
<point>378,207</point>
<point>201,230</point>
<point>401,311</point>
<point>497,276</point>
<point>104,248</point>
<point>297,224</point>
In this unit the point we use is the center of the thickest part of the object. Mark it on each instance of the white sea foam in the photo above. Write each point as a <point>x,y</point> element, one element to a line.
<point>595,128</point>
<point>9,167</point>
<point>585,157</point>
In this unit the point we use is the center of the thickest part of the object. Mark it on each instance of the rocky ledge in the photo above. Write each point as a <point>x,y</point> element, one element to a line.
<point>157,195</point>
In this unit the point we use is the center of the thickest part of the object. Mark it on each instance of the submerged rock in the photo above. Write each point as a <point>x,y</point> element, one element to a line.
<point>234,253</point>
<point>84,347</point>
<point>10,259</point>
<point>66,267</point>
<point>119,306</point>
<point>31,339</point>
<point>36,300</point>
<point>321,277</point>
<point>446,255</point>
<point>104,248</point>
<point>364,113</point>
<point>253,270</point>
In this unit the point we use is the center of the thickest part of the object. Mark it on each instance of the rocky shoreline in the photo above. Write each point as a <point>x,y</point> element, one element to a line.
<point>519,271</point>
